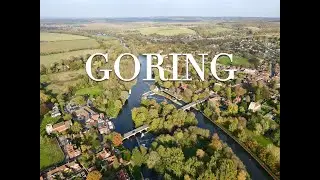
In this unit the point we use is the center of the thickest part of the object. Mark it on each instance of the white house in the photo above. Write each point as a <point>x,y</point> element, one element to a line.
<point>254,106</point>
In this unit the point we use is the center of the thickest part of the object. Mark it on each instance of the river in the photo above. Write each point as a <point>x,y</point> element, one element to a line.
<point>123,123</point>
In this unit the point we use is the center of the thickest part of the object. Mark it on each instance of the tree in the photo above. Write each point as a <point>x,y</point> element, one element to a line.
<point>276,137</point>
<point>188,94</point>
<point>124,96</point>
<point>254,61</point>
<point>228,93</point>
<point>126,155</point>
<point>227,169</point>
<point>94,175</point>
<point>215,142</point>
<point>195,97</point>
<point>76,127</point>
<point>115,164</point>
<point>233,124</point>
<point>153,159</point>
<point>257,94</point>
<point>153,113</point>
<point>216,88</point>
<point>241,134</point>
<point>208,112</point>
<point>43,69</point>
<point>116,139</point>
<point>200,153</point>
<point>265,92</point>
<point>233,109</point>
<point>258,128</point>
<point>242,175</point>
<point>67,117</point>
<point>207,175</point>
<point>137,158</point>
<point>43,109</point>
<point>240,91</point>
<point>248,99</point>
<point>242,123</point>
<point>167,84</point>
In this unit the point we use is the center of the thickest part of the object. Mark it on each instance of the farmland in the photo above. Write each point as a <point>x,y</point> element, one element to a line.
<point>59,81</point>
<point>65,46</point>
<point>49,59</point>
<point>166,31</point>
<point>44,36</point>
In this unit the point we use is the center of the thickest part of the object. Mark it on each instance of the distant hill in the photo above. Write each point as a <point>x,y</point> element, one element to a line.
<point>153,19</point>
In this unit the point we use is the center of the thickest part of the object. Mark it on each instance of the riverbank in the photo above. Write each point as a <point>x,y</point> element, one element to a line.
<point>262,164</point>
<point>244,147</point>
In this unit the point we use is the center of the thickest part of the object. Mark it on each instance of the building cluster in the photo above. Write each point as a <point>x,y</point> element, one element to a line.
<point>68,171</point>
<point>89,118</point>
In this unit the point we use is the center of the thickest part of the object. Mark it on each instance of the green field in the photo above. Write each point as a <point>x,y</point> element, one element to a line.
<point>49,59</point>
<point>166,31</point>
<point>50,152</point>
<point>60,81</point>
<point>64,46</point>
<point>91,91</point>
<point>259,138</point>
<point>236,61</point>
<point>44,36</point>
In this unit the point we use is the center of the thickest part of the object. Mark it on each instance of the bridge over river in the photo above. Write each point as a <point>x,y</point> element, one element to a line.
<point>188,106</point>
<point>135,131</point>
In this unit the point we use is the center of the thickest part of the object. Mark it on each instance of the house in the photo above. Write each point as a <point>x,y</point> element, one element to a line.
<point>58,173</point>
<point>55,111</point>
<point>103,128</point>
<point>71,152</point>
<point>254,106</point>
<point>81,115</point>
<point>249,71</point>
<point>110,125</point>
<point>237,100</point>
<point>59,127</point>
<point>70,107</point>
<point>86,115</point>
<point>104,154</point>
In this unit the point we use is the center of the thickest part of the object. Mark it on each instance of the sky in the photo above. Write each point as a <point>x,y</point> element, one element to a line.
<point>151,8</point>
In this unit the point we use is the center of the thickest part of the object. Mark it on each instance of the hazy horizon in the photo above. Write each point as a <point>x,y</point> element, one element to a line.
<point>120,17</point>
<point>158,8</point>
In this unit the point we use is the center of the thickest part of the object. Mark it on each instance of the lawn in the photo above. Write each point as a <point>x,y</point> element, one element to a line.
<point>50,152</point>
<point>44,36</point>
<point>236,61</point>
<point>91,90</point>
<point>259,138</point>
<point>49,59</point>
<point>166,31</point>
<point>65,46</point>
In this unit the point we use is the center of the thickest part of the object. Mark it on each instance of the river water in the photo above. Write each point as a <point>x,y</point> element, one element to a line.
<point>123,123</point>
